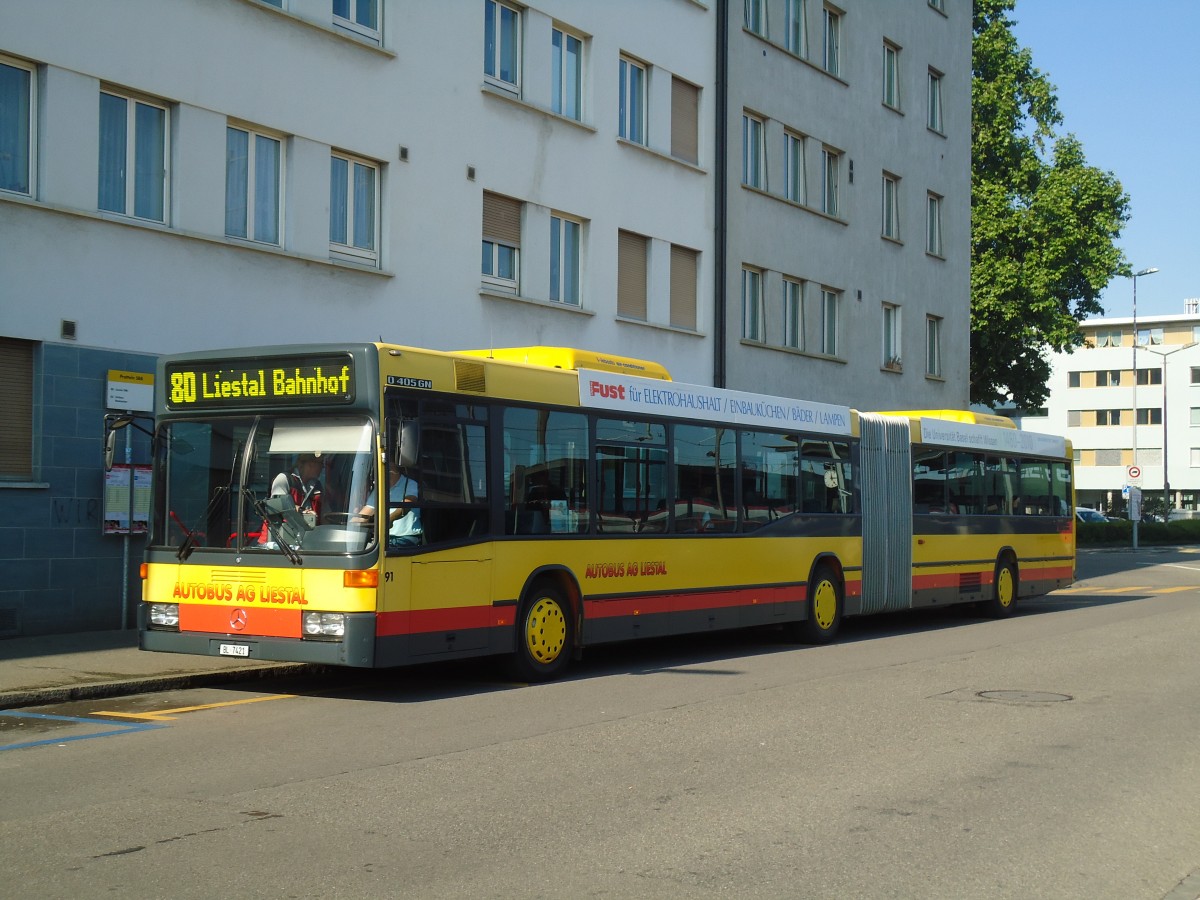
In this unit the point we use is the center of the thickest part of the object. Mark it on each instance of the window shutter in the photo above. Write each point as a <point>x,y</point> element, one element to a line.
<point>631,275</point>
<point>683,287</point>
<point>16,408</point>
<point>502,219</point>
<point>685,103</point>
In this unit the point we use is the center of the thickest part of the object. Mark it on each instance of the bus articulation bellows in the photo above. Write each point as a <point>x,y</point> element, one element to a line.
<point>378,505</point>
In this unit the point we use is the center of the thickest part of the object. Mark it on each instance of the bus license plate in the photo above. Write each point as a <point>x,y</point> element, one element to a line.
<point>235,650</point>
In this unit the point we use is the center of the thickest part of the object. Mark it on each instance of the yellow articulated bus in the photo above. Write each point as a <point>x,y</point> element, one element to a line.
<point>378,505</point>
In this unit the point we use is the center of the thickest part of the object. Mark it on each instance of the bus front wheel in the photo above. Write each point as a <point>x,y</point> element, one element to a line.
<point>544,635</point>
<point>1003,602</point>
<point>824,607</point>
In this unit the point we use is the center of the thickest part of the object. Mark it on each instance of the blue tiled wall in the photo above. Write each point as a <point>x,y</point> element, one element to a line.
<point>60,573</point>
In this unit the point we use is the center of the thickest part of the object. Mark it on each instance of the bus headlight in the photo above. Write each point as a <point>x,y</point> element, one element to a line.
<point>324,625</point>
<point>164,615</point>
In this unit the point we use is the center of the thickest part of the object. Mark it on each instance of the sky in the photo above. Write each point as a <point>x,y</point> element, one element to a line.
<point>1128,87</point>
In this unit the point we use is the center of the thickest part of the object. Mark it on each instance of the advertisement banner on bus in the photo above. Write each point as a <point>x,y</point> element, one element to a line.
<point>988,438</point>
<point>630,394</point>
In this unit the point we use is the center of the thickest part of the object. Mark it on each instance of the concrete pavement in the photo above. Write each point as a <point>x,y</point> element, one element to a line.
<point>60,667</point>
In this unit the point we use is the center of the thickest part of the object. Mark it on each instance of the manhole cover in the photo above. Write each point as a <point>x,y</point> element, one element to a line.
<point>1024,696</point>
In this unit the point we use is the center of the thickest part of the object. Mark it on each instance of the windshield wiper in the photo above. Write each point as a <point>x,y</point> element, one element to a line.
<point>189,541</point>
<point>275,525</point>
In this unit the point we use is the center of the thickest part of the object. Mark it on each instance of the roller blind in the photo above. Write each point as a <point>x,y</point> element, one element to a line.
<point>683,287</point>
<point>16,408</point>
<point>631,275</point>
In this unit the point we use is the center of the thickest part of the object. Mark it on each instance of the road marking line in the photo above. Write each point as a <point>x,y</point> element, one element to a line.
<point>168,715</point>
<point>122,729</point>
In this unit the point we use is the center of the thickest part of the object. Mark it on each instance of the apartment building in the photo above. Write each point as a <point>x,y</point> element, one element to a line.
<point>1131,409</point>
<point>848,220</point>
<point>474,173</point>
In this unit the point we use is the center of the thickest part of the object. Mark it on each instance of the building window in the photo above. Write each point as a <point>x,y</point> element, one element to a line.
<point>832,22</point>
<point>933,346</point>
<point>252,178</point>
<point>17,126</point>
<point>1108,339</point>
<point>1108,417</point>
<point>632,125</point>
<point>1073,379</point>
<point>360,17</point>
<point>353,209</point>
<point>891,75</point>
<point>502,44</point>
<point>933,225</point>
<point>1074,418</point>
<point>796,36</point>
<point>1108,457</point>
<point>753,324</point>
<point>794,174</point>
<point>16,409</point>
<point>133,139</point>
<point>1195,374</point>
<point>1149,376</point>
<point>1196,333</point>
<point>1149,416</point>
<point>1108,378</point>
<point>756,17</point>
<point>830,160</point>
<point>939,5</point>
<point>501,265</point>
<point>564,260</point>
<point>567,74</point>
<point>793,313</point>
<point>1149,336</point>
<point>1195,457</point>
<point>891,207</point>
<point>632,253</point>
<point>684,263</point>
<point>754,153</point>
<point>685,117</point>
<point>891,336</point>
<point>830,301</point>
<point>935,101</point>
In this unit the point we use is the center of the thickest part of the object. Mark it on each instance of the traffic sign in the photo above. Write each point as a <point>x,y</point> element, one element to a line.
<point>1134,474</point>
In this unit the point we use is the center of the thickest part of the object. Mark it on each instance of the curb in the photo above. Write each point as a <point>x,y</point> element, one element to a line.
<point>101,690</point>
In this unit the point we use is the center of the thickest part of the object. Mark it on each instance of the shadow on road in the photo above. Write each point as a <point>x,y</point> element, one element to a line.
<point>716,654</point>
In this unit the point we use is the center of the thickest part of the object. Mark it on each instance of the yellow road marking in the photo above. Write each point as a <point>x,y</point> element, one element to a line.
<point>167,715</point>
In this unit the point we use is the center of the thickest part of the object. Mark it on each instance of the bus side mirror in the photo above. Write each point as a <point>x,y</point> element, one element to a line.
<point>112,424</point>
<point>410,441</point>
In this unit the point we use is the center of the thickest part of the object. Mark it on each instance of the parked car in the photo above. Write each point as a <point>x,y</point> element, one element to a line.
<point>1083,514</point>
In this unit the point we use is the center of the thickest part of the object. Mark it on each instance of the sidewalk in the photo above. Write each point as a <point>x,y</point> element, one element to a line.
<point>61,667</point>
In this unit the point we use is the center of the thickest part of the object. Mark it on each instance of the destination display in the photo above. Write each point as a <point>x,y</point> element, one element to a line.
<point>279,381</point>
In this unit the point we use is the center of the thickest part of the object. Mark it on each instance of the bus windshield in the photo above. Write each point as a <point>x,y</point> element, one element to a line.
<point>265,483</point>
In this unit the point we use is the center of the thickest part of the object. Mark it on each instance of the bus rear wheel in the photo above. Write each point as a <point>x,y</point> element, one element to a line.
<point>824,607</point>
<point>544,635</point>
<point>1003,602</point>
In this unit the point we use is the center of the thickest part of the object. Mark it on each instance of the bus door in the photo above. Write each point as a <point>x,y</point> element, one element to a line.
<point>437,572</point>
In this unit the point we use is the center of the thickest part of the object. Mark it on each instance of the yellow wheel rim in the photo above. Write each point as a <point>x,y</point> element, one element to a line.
<point>824,604</point>
<point>545,630</point>
<point>1004,587</point>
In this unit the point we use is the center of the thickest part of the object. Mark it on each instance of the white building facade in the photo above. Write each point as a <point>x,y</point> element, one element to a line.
<point>460,174</point>
<point>849,194</point>
<point>1141,429</point>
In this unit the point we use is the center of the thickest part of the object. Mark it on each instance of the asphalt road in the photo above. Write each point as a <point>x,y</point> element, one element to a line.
<point>1055,754</point>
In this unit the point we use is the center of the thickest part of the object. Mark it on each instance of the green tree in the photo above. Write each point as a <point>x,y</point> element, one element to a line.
<point>1044,223</point>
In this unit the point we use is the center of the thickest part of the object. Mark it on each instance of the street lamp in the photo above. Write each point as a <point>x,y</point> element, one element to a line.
<point>1136,276</point>
<point>1166,476</point>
